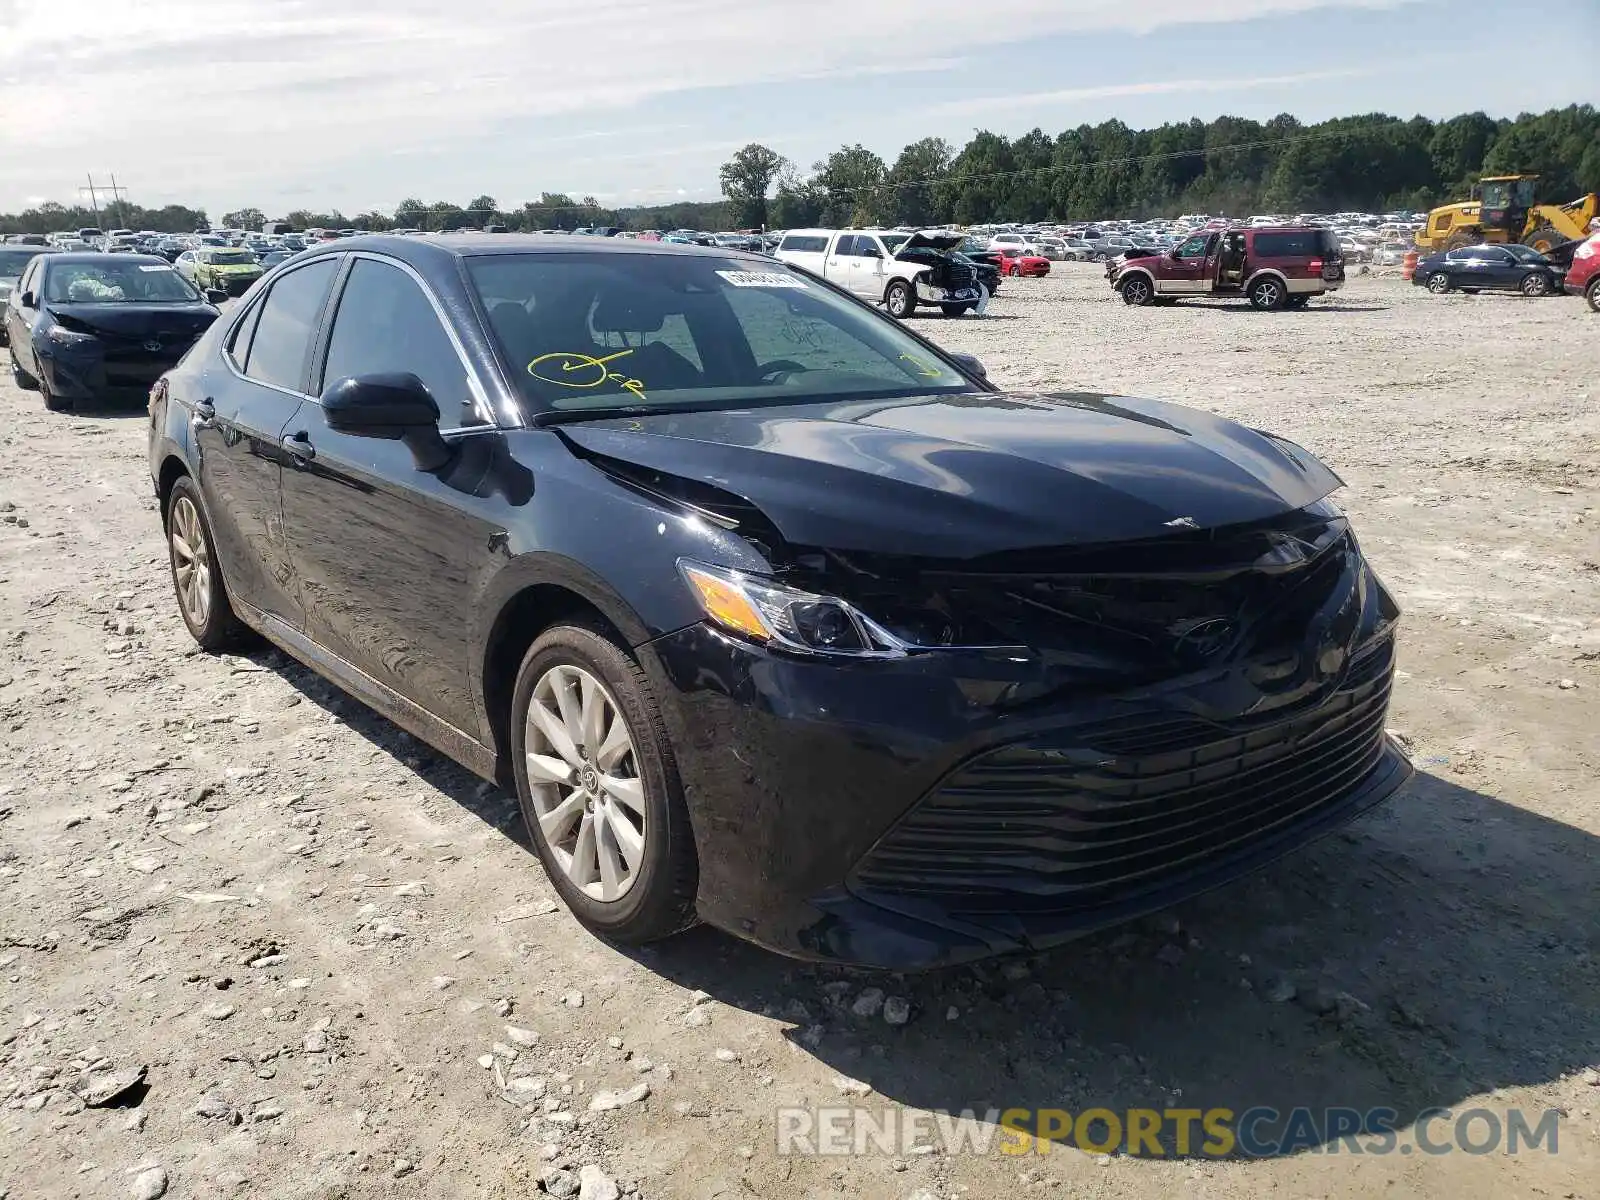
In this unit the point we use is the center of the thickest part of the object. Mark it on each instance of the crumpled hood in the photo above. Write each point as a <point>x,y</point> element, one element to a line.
<point>131,320</point>
<point>968,475</point>
<point>931,239</point>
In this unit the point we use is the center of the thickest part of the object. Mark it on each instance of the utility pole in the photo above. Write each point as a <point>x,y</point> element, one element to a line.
<point>94,197</point>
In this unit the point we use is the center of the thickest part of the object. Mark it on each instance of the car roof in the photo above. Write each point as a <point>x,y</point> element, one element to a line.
<point>420,251</point>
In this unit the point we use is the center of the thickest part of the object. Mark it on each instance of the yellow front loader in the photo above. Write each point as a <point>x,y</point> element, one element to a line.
<point>1504,210</point>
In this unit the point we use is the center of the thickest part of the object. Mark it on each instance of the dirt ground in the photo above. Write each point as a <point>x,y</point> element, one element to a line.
<point>313,933</point>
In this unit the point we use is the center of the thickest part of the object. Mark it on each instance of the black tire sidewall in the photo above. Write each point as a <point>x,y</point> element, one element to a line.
<point>656,905</point>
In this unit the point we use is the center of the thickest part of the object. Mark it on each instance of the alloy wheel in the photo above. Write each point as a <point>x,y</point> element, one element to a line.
<point>191,561</point>
<point>1535,285</point>
<point>1136,291</point>
<point>1439,284</point>
<point>583,775</point>
<point>1268,295</point>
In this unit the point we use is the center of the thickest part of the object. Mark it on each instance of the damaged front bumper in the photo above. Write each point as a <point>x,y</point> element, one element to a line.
<point>956,804</point>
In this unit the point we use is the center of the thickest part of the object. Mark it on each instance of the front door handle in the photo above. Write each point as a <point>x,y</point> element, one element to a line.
<point>299,446</point>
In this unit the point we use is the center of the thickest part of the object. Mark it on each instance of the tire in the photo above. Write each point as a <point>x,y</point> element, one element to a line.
<point>654,897</point>
<point>1459,239</point>
<point>1534,284</point>
<point>1138,291</point>
<point>1438,283</point>
<point>1544,239</point>
<point>197,581</point>
<point>20,377</point>
<point>899,300</point>
<point>52,401</point>
<point>1592,294</point>
<point>1269,294</point>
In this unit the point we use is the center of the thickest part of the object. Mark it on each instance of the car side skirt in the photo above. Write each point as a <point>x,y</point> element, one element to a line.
<point>442,736</point>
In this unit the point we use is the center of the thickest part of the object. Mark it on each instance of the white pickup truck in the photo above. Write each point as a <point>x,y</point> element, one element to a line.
<point>898,270</point>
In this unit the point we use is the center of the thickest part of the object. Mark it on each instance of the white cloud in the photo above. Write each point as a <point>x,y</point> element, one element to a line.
<point>1035,100</point>
<point>230,100</point>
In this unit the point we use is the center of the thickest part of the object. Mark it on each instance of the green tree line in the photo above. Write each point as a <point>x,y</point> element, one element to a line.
<point>1230,165</point>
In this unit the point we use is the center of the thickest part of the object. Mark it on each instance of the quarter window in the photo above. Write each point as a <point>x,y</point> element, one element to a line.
<point>287,325</point>
<point>239,347</point>
<point>386,324</point>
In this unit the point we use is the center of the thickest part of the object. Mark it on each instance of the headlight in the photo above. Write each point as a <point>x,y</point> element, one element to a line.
<point>66,337</point>
<point>798,621</point>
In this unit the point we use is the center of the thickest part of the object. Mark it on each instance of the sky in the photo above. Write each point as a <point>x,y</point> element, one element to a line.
<point>358,104</point>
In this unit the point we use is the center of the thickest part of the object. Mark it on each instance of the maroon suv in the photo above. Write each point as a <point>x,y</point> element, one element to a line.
<point>1273,266</point>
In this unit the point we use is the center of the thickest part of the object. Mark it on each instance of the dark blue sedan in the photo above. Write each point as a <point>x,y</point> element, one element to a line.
<point>87,327</point>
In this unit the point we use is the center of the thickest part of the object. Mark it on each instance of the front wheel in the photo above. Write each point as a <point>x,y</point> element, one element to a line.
<point>598,784</point>
<point>1534,285</point>
<point>1268,294</point>
<point>1438,283</point>
<point>52,402</point>
<point>899,300</point>
<point>1592,294</point>
<point>1138,291</point>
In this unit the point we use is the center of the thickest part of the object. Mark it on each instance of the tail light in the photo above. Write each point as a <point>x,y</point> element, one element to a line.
<point>1316,264</point>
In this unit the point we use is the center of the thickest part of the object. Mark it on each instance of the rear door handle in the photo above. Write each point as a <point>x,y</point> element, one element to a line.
<point>299,446</point>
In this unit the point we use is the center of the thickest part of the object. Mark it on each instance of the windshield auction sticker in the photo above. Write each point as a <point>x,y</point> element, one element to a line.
<point>768,279</point>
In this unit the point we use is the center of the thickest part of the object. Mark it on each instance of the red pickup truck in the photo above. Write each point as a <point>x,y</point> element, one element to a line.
<point>1277,266</point>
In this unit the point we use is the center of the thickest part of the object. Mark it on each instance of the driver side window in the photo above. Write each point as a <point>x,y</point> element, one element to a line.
<point>1195,247</point>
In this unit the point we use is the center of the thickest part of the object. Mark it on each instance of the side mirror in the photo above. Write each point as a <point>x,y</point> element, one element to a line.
<point>396,407</point>
<point>971,364</point>
<point>216,295</point>
<point>27,300</point>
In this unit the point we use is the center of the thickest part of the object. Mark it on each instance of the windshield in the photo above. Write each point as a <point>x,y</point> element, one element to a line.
<point>12,261</point>
<point>117,283</point>
<point>1526,253</point>
<point>594,332</point>
<point>232,258</point>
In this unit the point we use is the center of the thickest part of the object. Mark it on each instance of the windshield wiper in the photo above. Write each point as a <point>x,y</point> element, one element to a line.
<point>564,416</point>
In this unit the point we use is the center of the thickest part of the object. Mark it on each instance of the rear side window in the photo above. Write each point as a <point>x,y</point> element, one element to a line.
<point>846,247</point>
<point>805,245</point>
<point>386,324</point>
<point>1301,243</point>
<point>287,325</point>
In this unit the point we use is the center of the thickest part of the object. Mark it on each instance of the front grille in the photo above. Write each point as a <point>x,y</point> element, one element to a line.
<point>1097,815</point>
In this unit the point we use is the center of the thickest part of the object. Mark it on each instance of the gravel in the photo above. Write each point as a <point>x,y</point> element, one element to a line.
<point>290,828</point>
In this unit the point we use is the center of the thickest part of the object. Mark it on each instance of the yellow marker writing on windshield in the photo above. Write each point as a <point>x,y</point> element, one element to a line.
<point>595,369</point>
<point>923,368</point>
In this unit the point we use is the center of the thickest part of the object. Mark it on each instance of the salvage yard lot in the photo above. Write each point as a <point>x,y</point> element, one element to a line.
<point>310,928</point>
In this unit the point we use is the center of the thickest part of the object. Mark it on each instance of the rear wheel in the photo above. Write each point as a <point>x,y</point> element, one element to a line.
<point>1438,283</point>
<point>598,784</point>
<point>20,377</point>
<point>197,576</point>
<point>1138,291</point>
<point>1268,294</point>
<point>1592,294</point>
<point>1534,284</point>
<point>899,300</point>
